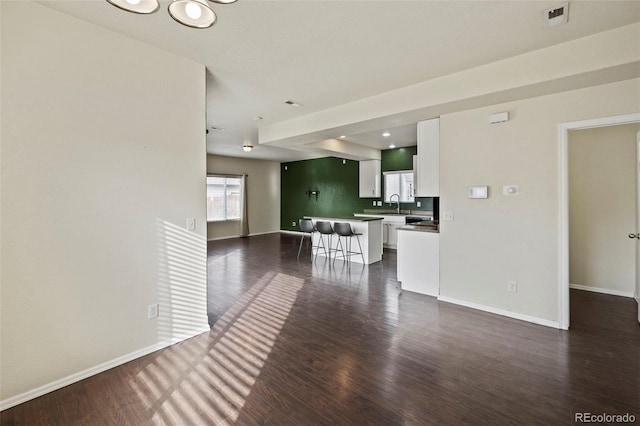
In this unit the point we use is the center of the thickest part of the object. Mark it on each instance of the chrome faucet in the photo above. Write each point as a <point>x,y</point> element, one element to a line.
<point>397,203</point>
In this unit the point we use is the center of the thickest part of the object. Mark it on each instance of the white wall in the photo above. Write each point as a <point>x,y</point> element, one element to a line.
<point>602,208</point>
<point>503,238</point>
<point>99,172</point>
<point>263,187</point>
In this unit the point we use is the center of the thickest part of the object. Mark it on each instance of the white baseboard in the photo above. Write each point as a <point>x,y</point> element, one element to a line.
<point>601,290</point>
<point>76,377</point>
<point>284,231</point>
<point>228,237</point>
<point>510,314</point>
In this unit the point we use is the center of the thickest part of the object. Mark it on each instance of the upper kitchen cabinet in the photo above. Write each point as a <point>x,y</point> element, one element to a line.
<point>427,176</point>
<point>369,184</point>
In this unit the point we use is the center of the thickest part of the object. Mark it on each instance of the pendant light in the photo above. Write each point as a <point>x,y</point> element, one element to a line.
<point>136,6</point>
<point>192,13</point>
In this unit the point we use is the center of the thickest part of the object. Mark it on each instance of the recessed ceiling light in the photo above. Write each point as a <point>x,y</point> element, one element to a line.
<point>192,13</point>
<point>136,6</point>
<point>342,137</point>
<point>247,147</point>
<point>386,134</point>
<point>257,118</point>
<point>392,146</point>
<point>216,129</point>
<point>293,104</point>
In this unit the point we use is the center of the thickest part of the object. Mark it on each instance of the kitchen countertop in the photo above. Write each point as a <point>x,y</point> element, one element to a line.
<point>345,218</point>
<point>424,226</point>
<point>381,212</point>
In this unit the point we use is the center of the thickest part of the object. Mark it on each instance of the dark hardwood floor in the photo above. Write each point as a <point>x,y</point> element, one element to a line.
<point>301,343</point>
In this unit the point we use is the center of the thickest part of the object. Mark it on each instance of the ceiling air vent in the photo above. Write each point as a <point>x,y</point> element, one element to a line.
<point>556,15</point>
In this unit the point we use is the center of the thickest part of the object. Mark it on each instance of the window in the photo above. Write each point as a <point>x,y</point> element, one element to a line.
<point>223,198</point>
<point>401,183</point>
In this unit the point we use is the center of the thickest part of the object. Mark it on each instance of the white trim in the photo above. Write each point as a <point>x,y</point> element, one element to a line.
<point>76,377</point>
<point>601,290</point>
<point>563,194</point>
<point>504,313</point>
<point>228,237</point>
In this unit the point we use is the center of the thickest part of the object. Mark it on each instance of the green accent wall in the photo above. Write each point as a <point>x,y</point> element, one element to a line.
<point>336,181</point>
<point>398,158</point>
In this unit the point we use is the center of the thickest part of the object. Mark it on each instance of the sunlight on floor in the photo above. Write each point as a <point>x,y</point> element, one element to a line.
<point>207,379</point>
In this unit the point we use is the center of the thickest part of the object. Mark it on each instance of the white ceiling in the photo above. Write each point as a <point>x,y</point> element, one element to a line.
<point>324,53</point>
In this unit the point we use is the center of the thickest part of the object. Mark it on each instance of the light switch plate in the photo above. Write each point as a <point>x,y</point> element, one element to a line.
<point>191,224</point>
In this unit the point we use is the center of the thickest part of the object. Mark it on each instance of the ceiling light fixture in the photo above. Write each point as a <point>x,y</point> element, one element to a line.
<point>191,13</point>
<point>293,104</point>
<point>342,137</point>
<point>392,146</point>
<point>386,134</point>
<point>247,147</point>
<point>136,6</point>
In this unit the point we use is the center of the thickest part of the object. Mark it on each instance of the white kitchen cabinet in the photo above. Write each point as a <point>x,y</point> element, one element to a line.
<point>427,183</point>
<point>392,234</point>
<point>419,261</point>
<point>369,179</point>
<point>390,225</point>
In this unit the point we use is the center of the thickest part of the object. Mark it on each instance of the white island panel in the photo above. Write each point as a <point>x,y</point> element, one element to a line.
<point>419,261</point>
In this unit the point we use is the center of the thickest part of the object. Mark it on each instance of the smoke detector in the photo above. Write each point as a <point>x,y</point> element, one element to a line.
<point>556,15</point>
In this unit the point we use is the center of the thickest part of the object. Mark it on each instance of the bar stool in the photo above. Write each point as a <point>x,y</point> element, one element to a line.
<point>324,228</point>
<point>307,227</point>
<point>344,230</point>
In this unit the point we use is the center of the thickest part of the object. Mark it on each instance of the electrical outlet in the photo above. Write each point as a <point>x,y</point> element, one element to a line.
<point>153,311</point>
<point>293,224</point>
<point>379,203</point>
<point>512,286</point>
<point>418,204</point>
<point>374,203</point>
<point>191,224</point>
<point>446,216</point>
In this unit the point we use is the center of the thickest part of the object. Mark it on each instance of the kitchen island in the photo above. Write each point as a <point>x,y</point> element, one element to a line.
<point>419,258</point>
<point>370,240</point>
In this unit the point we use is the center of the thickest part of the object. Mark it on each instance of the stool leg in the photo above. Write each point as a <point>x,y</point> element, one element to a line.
<point>335,256</point>
<point>320,242</point>
<point>360,247</point>
<point>301,241</point>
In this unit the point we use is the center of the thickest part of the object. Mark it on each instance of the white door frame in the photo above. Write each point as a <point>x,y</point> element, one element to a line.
<point>563,175</point>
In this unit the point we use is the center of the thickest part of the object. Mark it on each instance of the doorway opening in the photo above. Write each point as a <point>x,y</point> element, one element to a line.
<point>563,138</point>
